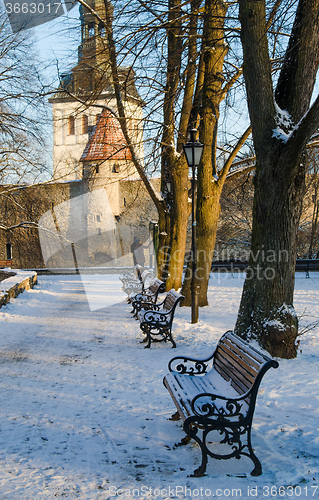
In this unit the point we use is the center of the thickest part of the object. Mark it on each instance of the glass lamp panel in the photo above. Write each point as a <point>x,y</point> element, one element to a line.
<point>198,149</point>
<point>188,150</point>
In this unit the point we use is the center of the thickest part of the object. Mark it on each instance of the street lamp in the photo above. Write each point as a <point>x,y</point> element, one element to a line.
<point>193,152</point>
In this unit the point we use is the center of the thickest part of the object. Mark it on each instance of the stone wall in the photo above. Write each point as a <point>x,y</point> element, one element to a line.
<point>96,241</point>
<point>137,210</point>
<point>27,205</point>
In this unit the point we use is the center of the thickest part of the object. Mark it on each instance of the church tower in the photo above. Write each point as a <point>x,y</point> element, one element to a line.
<point>92,71</point>
<point>78,129</point>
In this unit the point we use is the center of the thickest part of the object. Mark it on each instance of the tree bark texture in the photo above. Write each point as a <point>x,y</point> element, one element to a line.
<point>266,310</point>
<point>174,166</point>
<point>208,192</point>
<point>179,218</point>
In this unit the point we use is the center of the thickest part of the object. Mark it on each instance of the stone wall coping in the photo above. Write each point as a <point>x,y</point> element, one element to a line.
<point>14,285</point>
<point>21,275</point>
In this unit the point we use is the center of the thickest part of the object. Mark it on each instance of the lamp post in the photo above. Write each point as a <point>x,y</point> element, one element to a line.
<point>193,152</point>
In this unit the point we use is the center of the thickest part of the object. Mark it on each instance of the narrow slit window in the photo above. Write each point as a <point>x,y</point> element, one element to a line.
<point>9,251</point>
<point>85,124</point>
<point>71,125</point>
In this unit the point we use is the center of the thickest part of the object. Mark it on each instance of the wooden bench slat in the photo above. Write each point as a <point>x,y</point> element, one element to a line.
<point>237,372</point>
<point>183,393</point>
<point>212,400</point>
<point>180,407</point>
<point>249,350</point>
<point>255,366</point>
<point>238,363</point>
<point>240,387</point>
<point>179,394</point>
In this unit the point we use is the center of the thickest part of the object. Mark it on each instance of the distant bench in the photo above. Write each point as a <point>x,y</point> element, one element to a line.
<point>148,297</point>
<point>219,394</point>
<point>5,263</point>
<point>134,282</point>
<point>156,322</point>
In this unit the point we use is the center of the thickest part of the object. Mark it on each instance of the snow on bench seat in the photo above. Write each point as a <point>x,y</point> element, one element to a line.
<point>219,393</point>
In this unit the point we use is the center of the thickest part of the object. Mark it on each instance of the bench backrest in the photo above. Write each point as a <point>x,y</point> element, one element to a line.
<point>238,362</point>
<point>145,277</point>
<point>171,300</point>
<point>138,271</point>
<point>155,285</point>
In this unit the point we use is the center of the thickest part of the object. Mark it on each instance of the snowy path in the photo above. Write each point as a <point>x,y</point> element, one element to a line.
<point>84,412</point>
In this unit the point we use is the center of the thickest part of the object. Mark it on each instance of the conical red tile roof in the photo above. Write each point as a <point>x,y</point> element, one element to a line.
<point>107,141</point>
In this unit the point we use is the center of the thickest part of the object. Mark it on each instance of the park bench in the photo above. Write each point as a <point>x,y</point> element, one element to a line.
<point>145,299</point>
<point>157,322</point>
<point>131,275</point>
<point>6,263</point>
<point>219,394</point>
<point>135,282</point>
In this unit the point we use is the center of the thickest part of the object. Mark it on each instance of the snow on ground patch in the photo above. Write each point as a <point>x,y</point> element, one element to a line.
<point>84,413</point>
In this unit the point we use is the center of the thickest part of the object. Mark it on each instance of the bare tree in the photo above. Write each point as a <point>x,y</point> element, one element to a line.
<point>22,108</point>
<point>179,64</point>
<point>282,123</point>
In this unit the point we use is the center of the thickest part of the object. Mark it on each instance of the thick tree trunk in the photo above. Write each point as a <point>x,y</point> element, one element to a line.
<point>208,215</point>
<point>179,218</point>
<point>206,236</point>
<point>174,169</point>
<point>164,220</point>
<point>208,192</point>
<point>266,310</point>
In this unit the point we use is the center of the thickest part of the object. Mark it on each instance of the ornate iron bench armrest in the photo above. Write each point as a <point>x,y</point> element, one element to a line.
<point>150,306</point>
<point>145,296</point>
<point>132,280</point>
<point>132,285</point>
<point>126,276</point>
<point>131,288</point>
<point>146,303</point>
<point>190,366</point>
<point>153,317</point>
<point>221,407</point>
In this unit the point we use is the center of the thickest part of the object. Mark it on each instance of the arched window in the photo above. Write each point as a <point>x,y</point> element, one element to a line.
<point>71,122</point>
<point>85,124</point>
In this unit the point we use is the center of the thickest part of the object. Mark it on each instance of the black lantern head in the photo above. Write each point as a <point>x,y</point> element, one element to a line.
<point>193,150</point>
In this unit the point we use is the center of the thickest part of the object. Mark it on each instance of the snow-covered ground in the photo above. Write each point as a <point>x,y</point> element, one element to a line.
<point>84,413</point>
